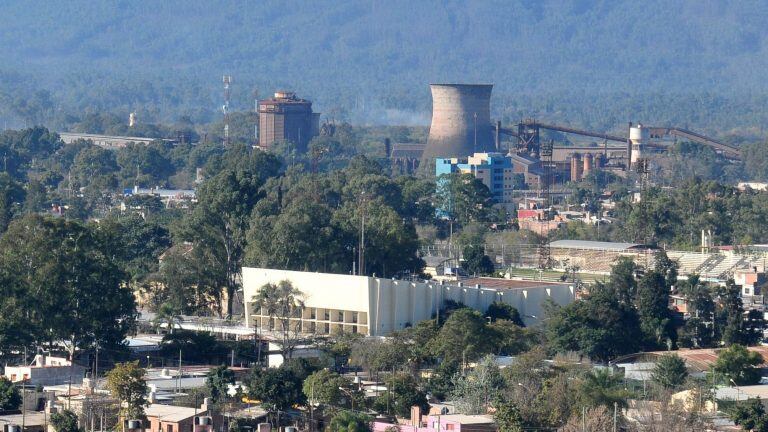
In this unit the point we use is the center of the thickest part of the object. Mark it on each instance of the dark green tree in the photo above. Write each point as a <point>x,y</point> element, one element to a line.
<point>730,315</point>
<point>135,243</point>
<point>753,326</point>
<point>599,327</point>
<point>602,387</point>
<point>463,198</point>
<point>65,421</point>
<point>750,415</point>
<point>623,281</point>
<point>653,309</point>
<point>739,364</point>
<point>670,372</point>
<point>10,398</point>
<point>476,261</point>
<point>508,417</point>
<point>218,381</point>
<point>66,286</point>
<point>11,197</point>
<point>504,311</point>
<point>403,392</point>
<point>220,220</point>
<point>699,328</point>
<point>127,384</point>
<point>324,387</point>
<point>464,337</point>
<point>348,421</point>
<point>277,388</point>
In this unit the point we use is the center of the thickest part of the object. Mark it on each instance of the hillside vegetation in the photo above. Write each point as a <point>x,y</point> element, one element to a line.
<point>590,62</point>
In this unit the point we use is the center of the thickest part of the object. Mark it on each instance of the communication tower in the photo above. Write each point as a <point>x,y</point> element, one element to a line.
<point>256,111</point>
<point>545,254</point>
<point>227,79</point>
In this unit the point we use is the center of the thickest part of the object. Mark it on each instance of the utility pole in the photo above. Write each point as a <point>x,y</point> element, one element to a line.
<point>475,146</point>
<point>178,378</point>
<point>615,409</point>
<point>361,249</point>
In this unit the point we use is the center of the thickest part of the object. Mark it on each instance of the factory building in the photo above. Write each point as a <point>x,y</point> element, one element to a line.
<point>335,303</point>
<point>285,117</point>
<point>495,170</point>
<point>461,121</point>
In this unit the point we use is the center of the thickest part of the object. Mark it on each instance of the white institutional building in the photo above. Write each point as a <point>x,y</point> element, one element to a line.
<point>377,307</point>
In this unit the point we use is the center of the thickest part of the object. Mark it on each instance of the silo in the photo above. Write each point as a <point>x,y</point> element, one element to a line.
<point>461,121</point>
<point>638,138</point>
<point>575,167</point>
<point>588,164</point>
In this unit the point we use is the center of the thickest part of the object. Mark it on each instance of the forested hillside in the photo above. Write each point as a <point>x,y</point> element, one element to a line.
<point>592,62</point>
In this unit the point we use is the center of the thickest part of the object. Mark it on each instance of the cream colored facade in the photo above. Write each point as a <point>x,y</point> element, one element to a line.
<point>377,307</point>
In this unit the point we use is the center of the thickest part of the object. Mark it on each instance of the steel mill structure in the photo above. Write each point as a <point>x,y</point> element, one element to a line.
<point>285,117</point>
<point>461,121</point>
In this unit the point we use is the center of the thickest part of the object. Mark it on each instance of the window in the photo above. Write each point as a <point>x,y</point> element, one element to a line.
<point>313,313</point>
<point>354,317</point>
<point>326,315</point>
<point>169,428</point>
<point>341,316</point>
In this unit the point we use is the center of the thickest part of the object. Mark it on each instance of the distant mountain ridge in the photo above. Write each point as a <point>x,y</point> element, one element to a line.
<point>167,57</point>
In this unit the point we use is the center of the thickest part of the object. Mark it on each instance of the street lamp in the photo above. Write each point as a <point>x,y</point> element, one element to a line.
<point>738,390</point>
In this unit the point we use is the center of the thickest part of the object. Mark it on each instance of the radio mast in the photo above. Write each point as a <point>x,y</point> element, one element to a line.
<point>227,79</point>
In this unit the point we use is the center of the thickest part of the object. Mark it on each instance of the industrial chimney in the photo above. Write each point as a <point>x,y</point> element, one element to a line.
<point>461,121</point>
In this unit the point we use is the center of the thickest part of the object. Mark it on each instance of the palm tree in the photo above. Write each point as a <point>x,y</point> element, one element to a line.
<point>282,302</point>
<point>168,315</point>
<point>603,387</point>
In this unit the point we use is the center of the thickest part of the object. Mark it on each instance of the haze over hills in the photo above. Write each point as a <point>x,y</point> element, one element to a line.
<point>371,61</point>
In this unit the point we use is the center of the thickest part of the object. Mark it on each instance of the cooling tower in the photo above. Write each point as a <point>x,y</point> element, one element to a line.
<point>461,121</point>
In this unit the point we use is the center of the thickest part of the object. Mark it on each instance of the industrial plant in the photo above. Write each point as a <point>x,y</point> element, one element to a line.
<point>462,129</point>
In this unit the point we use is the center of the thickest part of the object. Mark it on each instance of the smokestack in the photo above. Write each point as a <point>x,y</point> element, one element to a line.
<point>498,135</point>
<point>461,121</point>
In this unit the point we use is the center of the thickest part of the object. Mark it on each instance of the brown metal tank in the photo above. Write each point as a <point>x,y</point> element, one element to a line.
<point>461,121</point>
<point>575,167</point>
<point>588,164</point>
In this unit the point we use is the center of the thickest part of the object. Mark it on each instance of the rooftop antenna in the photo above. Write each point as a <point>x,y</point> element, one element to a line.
<point>227,79</point>
<point>256,110</point>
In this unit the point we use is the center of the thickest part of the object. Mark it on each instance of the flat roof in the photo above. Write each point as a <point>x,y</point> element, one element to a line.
<point>489,282</point>
<point>468,419</point>
<point>170,413</point>
<point>598,245</point>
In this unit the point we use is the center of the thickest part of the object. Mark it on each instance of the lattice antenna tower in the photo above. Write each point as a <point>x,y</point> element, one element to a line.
<point>546,150</point>
<point>227,79</point>
<point>256,111</point>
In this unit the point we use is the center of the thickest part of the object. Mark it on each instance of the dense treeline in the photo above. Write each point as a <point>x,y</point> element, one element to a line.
<point>592,63</point>
<point>674,216</point>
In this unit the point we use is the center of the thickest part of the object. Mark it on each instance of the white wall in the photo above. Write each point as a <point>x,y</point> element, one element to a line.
<point>394,304</point>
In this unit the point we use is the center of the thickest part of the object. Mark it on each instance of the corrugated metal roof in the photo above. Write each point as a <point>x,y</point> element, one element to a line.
<point>597,245</point>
